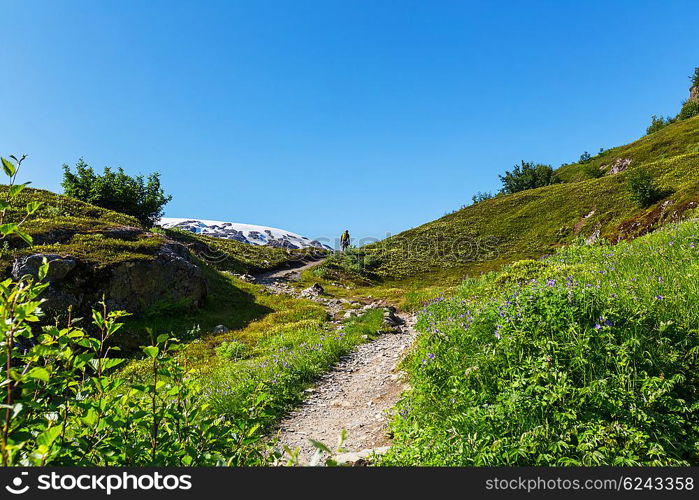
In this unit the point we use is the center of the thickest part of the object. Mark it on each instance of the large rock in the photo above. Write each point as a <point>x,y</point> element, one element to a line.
<point>168,277</point>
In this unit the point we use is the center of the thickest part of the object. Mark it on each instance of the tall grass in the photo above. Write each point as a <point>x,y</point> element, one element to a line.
<point>588,357</point>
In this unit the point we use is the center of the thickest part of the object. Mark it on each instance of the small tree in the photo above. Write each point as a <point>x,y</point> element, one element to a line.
<point>527,176</point>
<point>657,123</point>
<point>695,78</point>
<point>479,197</point>
<point>585,157</point>
<point>643,188</point>
<point>690,108</point>
<point>143,199</point>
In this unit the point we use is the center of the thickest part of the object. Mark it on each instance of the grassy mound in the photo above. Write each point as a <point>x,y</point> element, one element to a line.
<point>588,357</point>
<point>532,223</point>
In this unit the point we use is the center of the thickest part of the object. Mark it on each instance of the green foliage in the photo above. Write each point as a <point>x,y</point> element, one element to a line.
<point>593,171</point>
<point>585,157</point>
<point>481,196</point>
<point>657,123</point>
<point>642,187</point>
<point>690,108</point>
<point>695,78</point>
<point>588,357</point>
<point>231,350</point>
<point>65,405</point>
<point>143,199</point>
<point>12,193</point>
<point>527,176</point>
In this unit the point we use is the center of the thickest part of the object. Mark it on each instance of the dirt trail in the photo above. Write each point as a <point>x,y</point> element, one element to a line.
<point>356,395</point>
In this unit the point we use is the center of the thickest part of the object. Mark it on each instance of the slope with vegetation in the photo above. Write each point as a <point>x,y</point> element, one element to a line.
<point>588,357</point>
<point>534,222</point>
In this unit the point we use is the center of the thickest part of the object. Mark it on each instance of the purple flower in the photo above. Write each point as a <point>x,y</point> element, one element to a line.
<point>551,282</point>
<point>430,355</point>
<point>598,326</point>
<point>659,297</point>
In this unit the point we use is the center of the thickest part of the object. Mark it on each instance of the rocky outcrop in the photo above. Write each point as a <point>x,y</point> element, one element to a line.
<point>167,277</point>
<point>694,93</point>
<point>619,165</point>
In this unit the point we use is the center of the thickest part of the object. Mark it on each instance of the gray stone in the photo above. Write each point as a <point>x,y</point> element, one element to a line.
<point>59,267</point>
<point>221,329</point>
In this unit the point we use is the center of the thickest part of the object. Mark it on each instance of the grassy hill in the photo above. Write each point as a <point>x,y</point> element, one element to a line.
<point>67,226</point>
<point>588,357</point>
<point>533,223</point>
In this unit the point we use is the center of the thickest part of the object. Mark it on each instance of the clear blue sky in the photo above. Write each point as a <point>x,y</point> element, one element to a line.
<point>316,116</point>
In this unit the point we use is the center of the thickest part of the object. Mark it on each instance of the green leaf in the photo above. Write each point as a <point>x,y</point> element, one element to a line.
<point>319,446</point>
<point>47,437</point>
<point>6,229</point>
<point>151,351</point>
<point>16,189</point>
<point>33,206</point>
<point>8,167</point>
<point>4,205</point>
<point>38,373</point>
<point>161,338</point>
<point>25,237</point>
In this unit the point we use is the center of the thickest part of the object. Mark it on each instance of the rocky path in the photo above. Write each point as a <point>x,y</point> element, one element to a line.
<point>356,396</point>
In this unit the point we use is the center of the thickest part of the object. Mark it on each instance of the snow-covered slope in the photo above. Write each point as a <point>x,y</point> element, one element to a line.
<point>247,233</point>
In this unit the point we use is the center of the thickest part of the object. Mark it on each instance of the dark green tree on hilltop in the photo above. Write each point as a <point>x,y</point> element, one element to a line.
<point>115,190</point>
<point>527,176</point>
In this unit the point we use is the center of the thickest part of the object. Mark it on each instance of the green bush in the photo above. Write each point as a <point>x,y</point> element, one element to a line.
<point>657,123</point>
<point>231,350</point>
<point>143,199</point>
<point>481,196</point>
<point>527,176</point>
<point>642,187</point>
<point>689,109</point>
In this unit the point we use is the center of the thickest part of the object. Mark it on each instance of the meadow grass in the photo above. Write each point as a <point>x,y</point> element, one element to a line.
<point>588,357</point>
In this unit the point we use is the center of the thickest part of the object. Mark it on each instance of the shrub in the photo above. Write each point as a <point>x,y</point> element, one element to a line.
<point>642,187</point>
<point>689,109</point>
<point>657,123</point>
<point>527,176</point>
<point>231,350</point>
<point>592,171</point>
<point>143,199</point>
<point>585,157</point>
<point>695,78</point>
<point>479,197</point>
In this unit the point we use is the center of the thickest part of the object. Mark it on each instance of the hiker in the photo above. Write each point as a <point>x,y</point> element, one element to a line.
<point>344,240</point>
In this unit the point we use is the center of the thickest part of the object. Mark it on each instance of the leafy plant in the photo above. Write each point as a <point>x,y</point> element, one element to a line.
<point>481,196</point>
<point>642,187</point>
<point>657,123</point>
<point>527,176</point>
<point>689,109</point>
<point>231,350</point>
<point>585,157</point>
<point>143,199</point>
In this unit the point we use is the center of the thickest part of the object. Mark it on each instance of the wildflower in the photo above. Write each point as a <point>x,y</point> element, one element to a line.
<point>551,282</point>
<point>598,326</point>
<point>497,332</point>
<point>430,355</point>
<point>659,297</point>
<point>691,245</point>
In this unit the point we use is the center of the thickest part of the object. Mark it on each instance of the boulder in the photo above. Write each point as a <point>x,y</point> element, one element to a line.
<point>167,277</point>
<point>313,291</point>
<point>220,329</point>
<point>59,267</point>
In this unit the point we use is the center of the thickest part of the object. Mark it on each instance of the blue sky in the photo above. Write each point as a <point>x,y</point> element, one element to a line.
<point>316,116</point>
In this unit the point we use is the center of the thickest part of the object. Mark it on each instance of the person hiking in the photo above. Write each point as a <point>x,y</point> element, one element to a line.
<point>344,240</point>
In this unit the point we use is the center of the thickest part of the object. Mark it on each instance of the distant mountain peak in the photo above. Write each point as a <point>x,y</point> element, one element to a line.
<point>245,233</point>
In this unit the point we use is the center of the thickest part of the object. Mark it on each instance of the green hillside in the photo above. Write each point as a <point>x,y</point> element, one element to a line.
<point>102,237</point>
<point>588,357</point>
<point>532,223</point>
